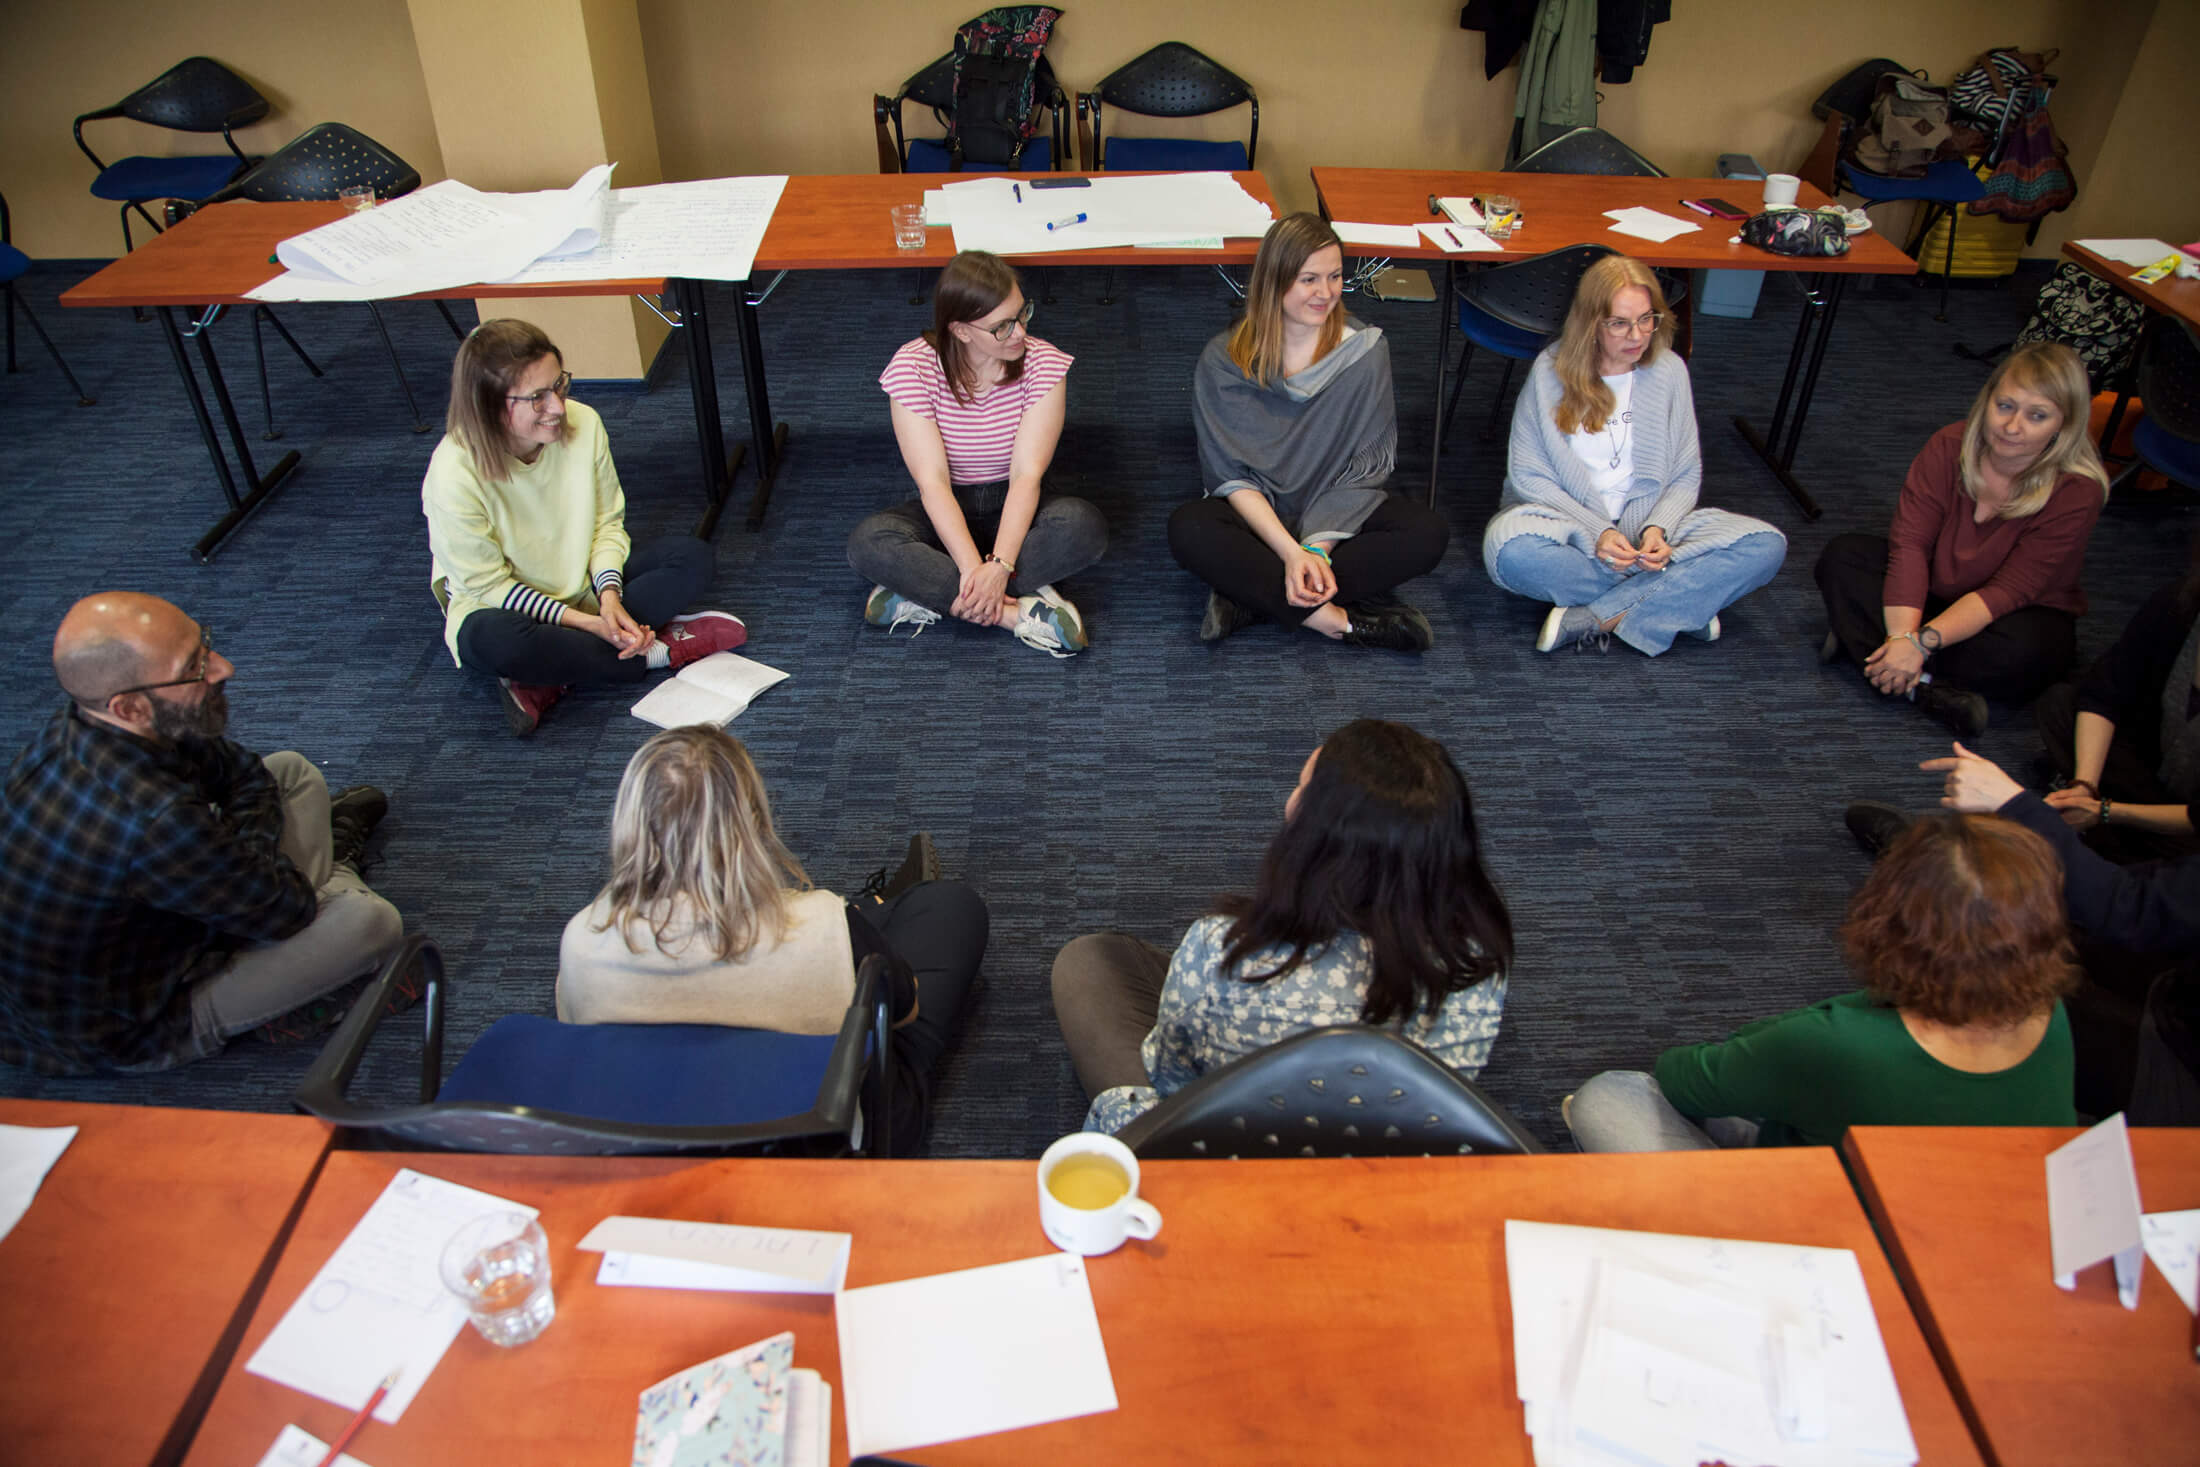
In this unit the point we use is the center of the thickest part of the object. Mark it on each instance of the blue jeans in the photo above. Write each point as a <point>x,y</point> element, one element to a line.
<point>1624,1110</point>
<point>1658,605</point>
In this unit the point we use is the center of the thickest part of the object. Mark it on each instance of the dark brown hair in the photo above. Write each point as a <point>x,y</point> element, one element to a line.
<point>1962,923</point>
<point>969,289</point>
<point>493,356</point>
<point>1381,843</point>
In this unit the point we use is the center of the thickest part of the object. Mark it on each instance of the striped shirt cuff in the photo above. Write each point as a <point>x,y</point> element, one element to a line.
<point>533,604</point>
<point>610,576</point>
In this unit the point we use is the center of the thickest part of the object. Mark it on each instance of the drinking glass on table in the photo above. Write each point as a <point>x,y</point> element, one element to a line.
<point>499,1264</point>
<point>909,226</point>
<point>357,197</point>
<point>1501,215</point>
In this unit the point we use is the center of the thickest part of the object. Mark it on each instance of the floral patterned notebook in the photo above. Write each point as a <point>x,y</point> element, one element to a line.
<point>726,1412</point>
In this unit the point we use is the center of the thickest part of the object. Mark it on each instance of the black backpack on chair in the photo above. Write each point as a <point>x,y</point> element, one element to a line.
<point>997,60</point>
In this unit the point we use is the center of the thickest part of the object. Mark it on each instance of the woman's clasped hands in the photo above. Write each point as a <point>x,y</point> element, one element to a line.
<point>1623,554</point>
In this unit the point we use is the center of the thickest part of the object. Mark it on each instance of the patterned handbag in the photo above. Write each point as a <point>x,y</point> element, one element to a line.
<point>2033,179</point>
<point>1798,232</point>
<point>1982,93</point>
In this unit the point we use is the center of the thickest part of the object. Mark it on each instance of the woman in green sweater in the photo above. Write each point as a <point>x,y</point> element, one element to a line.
<point>1960,939</point>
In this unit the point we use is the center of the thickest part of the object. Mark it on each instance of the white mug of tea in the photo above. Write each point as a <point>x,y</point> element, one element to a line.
<point>1088,1195</point>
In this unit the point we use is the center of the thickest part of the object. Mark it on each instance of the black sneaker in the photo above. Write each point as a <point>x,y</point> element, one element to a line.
<point>1875,824</point>
<point>1223,617</point>
<point>1391,625</point>
<point>1963,712</point>
<point>352,816</point>
<point>922,864</point>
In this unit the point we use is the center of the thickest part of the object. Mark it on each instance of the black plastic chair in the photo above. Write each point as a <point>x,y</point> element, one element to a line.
<point>533,1085</point>
<point>317,165</point>
<point>934,87</point>
<point>2167,438</point>
<point>1171,80</point>
<point>1587,150</point>
<point>1346,1090</point>
<point>13,262</point>
<point>1514,310</point>
<point>194,95</point>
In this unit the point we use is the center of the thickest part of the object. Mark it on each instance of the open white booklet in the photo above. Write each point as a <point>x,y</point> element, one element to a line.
<point>714,689</point>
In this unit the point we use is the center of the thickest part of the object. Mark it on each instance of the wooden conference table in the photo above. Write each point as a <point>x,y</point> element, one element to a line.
<point>125,1284</point>
<point>2044,1376</point>
<point>1333,1311</point>
<point>822,222</point>
<point>1564,209</point>
<point>2173,297</point>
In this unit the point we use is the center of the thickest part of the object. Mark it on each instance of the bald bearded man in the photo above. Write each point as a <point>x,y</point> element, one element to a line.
<point>162,888</point>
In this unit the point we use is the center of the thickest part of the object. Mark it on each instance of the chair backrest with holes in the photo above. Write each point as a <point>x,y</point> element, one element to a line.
<point>1343,1090</point>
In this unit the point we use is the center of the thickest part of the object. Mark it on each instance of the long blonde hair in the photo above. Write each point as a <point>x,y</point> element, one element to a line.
<point>1585,402</point>
<point>1256,344</point>
<point>692,838</point>
<point>2054,372</point>
<point>494,355</point>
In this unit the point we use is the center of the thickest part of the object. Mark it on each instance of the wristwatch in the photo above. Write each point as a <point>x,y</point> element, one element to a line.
<point>1928,639</point>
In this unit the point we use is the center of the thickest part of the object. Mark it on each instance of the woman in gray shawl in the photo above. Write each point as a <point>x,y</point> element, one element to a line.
<point>1297,438</point>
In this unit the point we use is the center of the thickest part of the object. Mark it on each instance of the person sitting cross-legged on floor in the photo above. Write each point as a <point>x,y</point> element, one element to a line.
<point>709,919</point>
<point>1973,593</point>
<point>1599,513</point>
<point>165,889</point>
<point>1959,937</point>
<point>540,587</point>
<point>977,405</point>
<point>1298,436</point>
<point>1372,906</point>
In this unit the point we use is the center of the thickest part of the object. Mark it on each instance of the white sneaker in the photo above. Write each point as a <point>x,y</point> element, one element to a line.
<point>1050,623</point>
<point>1709,632</point>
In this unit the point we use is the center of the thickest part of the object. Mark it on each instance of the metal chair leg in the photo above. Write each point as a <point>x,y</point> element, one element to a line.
<point>916,286</point>
<point>83,398</point>
<point>375,310</point>
<point>451,320</point>
<point>1948,262</point>
<point>1107,286</point>
<point>267,398</point>
<point>1497,403</point>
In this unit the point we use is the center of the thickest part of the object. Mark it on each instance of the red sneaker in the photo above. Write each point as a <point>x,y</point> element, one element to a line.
<point>689,637</point>
<point>525,703</point>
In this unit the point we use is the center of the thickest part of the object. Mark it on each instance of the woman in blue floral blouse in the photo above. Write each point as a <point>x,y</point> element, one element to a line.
<point>1372,906</point>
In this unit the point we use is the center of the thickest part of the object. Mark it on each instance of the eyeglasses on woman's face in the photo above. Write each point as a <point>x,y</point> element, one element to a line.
<point>539,400</point>
<point>1005,331</point>
<point>1642,325</point>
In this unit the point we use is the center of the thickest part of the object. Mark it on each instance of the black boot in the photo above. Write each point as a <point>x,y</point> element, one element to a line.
<point>1965,713</point>
<point>352,816</point>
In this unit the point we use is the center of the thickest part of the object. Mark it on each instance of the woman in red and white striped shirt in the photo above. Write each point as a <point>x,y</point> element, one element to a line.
<point>977,406</point>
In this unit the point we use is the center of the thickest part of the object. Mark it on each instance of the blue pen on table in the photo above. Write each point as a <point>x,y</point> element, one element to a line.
<point>1053,224</point>
<point>1019,191</point>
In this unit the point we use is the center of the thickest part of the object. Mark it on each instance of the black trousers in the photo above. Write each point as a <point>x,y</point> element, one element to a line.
<point>662,579</point>
<point>939,929</point>
<point>2011,661</point>
<point>1401,540</point>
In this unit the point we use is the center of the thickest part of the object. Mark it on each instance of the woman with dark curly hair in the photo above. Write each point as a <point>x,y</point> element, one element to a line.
<point>1960,939</point>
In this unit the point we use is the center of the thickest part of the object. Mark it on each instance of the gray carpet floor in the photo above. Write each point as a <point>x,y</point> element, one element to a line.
<point>1667,832</point>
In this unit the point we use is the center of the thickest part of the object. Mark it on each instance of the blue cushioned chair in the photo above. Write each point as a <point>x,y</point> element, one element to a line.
<point>934,87</point>
<point>194,95</point>
<point>1514,311</point>
<point>533,1085</point>
<point>1171,80</point>
<point>318,165</point>
<point>13,262</point>
<point>1346,1090</point>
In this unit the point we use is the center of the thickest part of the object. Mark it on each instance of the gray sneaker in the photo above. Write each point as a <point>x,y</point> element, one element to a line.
<point>1050,623</point>
<point>1567,625</point>
<point>889,609</point>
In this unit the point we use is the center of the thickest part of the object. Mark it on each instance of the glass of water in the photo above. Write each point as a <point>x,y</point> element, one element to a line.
<point>500,1265</point>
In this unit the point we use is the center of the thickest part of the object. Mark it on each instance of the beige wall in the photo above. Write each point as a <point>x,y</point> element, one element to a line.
<point>1390,83</point>
<point>352,63</point>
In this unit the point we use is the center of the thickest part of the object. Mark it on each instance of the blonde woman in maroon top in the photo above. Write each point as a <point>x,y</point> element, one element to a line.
<point>1974,594</point>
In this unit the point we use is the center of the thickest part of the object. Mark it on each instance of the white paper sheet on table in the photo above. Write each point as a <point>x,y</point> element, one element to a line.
<point>1552,1271</point>
<point>437,238</point>
<point>2173,1242</point>
<point>1395,236</point>
<point>666,1253</point>
<point>297,1447</point>
<point>2093,1208</point>
<point>379,1303</point>
<point>1648,224</point>
<point>939,210</point>
<point>707,229</point>
<point>2129,251</point>
<point>27,1153</point>
<point>1119,213</point>
<point>1454,239</point>
<point>958,1355</point>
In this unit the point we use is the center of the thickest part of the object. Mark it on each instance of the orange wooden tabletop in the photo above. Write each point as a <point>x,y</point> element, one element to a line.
<point>118,1286</point>
<point>1568,208</point>
<point>1333,1311</point>
<point>840,222</point>
<point>2172,297</point>
<point>2050,1377</point>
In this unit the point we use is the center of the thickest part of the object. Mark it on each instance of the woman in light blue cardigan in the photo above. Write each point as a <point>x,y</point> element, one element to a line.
<point>1599,512</point>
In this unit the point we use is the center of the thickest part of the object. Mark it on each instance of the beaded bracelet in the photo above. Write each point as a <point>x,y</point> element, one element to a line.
<point>998,560</point>
<point>1311,548</point>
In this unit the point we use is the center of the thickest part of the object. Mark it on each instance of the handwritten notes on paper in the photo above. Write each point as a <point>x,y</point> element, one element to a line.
<point>663,1253</point>
<point>378,1303</point>
<point>707,229</point>
<point>957,1355</point>
<point>1119,213</point>
<point>297,1447</point>
<point>2173,1242</point>
<point>2093,1207</point>
<point>27,1153</point>
<point>1390,236</point>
